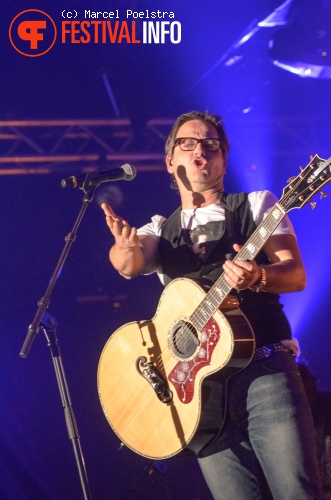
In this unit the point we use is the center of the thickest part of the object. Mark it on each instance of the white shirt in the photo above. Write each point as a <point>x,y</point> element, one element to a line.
<point>260,203</point>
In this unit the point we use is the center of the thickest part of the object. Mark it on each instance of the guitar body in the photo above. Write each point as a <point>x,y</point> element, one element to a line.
<point>151,372</point>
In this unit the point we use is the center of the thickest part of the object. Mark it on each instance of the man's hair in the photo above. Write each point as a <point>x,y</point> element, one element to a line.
<point>204,116</point>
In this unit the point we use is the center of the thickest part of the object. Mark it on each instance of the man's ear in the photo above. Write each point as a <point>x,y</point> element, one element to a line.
<point>169,164</point>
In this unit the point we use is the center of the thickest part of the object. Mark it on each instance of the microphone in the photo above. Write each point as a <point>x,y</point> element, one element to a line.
<point>125,172</point>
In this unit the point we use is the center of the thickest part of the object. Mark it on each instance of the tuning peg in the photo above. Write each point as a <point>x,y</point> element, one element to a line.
<point>291,179</point>
<point>301,168</point>
<point>313,204</point>
<point>323,195</point>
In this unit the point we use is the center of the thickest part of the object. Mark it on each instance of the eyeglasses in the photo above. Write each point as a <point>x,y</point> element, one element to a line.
<point>190,143</point>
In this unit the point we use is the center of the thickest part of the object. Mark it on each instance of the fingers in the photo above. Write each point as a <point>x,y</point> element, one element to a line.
<point>131,235</point>
<point>234,274</point>
<point>128,232</point>
<point>111,218</point>
<point>240,274</point>
<point>114,222</point>
<point>120,228</point>
<point>107,210</point>
<point>237,247</point>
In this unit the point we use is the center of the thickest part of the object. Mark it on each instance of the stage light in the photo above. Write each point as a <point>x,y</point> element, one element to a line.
<point>301,42</point>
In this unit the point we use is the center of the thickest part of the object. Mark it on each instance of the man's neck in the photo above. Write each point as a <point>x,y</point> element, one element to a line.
<point>191,199</point>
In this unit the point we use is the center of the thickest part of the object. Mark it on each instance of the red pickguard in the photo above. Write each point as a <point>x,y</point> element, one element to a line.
<point>183,375</point>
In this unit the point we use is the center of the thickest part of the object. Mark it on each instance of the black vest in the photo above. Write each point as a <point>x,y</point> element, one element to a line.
<point>177,260</point>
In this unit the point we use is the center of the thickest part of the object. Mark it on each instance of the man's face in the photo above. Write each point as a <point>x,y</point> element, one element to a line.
<point>200,169</point>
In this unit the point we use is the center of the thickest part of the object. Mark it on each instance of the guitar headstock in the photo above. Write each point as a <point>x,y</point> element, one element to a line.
<point>310,181</point>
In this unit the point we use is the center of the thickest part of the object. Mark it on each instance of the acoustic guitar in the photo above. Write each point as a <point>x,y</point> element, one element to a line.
<point>150,373</point>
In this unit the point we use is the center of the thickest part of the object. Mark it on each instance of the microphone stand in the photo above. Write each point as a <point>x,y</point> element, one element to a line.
<point>48,324</point>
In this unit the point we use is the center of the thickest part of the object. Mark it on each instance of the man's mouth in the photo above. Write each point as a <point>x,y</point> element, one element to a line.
<point>200,163</point>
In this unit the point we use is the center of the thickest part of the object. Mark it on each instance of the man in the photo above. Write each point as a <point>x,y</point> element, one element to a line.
<point>267,442</point>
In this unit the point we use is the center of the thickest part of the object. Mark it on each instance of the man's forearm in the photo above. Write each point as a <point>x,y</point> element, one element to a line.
<point>127,261</point>
<point>284,277</point>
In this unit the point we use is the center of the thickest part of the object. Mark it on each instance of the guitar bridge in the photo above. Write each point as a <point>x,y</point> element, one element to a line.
<point>149,372</point>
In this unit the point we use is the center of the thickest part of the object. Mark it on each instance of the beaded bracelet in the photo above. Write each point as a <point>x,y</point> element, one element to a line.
<point>261,283</point>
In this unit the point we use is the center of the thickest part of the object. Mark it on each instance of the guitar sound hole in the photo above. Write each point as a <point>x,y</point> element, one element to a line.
<point>184,339</point>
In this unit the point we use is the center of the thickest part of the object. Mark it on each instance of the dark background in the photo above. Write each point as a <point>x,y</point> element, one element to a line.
<point>274,118</point>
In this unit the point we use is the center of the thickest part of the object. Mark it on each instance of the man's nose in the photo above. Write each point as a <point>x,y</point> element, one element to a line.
<point>199,150</point>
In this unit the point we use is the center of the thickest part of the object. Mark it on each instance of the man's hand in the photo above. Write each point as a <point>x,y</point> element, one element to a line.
<point>241,274</point>
<point>125,235</point>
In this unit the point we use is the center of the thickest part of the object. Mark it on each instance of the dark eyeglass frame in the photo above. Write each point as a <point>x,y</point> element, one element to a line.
<point>203,141</point>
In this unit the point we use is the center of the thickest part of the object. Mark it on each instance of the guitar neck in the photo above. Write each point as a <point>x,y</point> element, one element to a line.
<point>262,233</point>
<point>221,288</point>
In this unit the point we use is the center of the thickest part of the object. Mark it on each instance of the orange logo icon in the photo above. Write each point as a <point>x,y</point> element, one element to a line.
<point>32,33</point>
